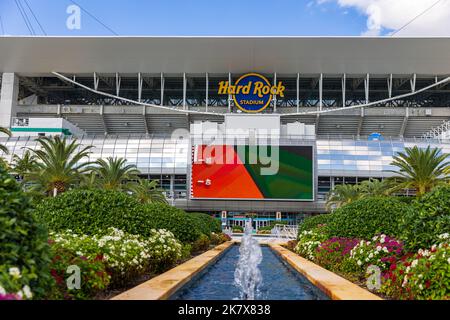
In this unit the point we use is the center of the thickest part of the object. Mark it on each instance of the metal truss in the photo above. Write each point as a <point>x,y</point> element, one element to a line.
<point>324,93</point>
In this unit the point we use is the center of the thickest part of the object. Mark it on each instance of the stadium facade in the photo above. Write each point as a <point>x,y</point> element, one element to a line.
<point>341,107</point>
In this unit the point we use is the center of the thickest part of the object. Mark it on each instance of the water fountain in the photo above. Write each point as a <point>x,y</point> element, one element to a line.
<point>247,276</point>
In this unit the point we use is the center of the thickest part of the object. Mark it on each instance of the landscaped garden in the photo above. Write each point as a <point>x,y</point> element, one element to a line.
<point>395,246</point>
<point>79,230</point>
<point>72,229</point>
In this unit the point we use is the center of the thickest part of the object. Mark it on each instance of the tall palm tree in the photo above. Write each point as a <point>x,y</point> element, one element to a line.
<point>420,169</point>
<point>147,191</point>
<point>375,187</point>
<point>343,194</point>
<point>23,165</point>
<point>3,148</point>
<point>58,164</point>
<point>114,173</point>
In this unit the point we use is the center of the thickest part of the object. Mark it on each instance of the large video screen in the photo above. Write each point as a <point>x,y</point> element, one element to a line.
<point>252,172</point>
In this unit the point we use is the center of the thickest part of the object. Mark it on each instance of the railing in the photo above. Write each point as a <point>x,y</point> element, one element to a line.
<point>437,131</point>
<point>283,231</point>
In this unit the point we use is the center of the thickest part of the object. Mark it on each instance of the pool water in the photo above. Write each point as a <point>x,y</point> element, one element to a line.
<point>280,281</point>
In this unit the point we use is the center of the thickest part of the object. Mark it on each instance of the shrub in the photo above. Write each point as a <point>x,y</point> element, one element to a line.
<point>164,250</point>
<point>424,275</point>
<point>238,229</point>
<point>308,241</point>
<point>368,217</point>
<point>331,253</point>
<point>162,216</point>
<point>94,277</point>
<point>91,212</point>
<point>205,223</point>
<point>125,256</point>
<point>218,238</point>
<point>381,251</point>
<point>272,225</point>
<point>201,244</point>
<point>313,221</point>
<point>430,218</point>
<point>23,243</point>
<point>291,245</point>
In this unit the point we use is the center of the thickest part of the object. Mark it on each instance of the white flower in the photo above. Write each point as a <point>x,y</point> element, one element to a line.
<point>378,248</point>
<point>2,290</point>
<point>414,263</point>
<point>385,250</point>
<point>443,236</point>
<point>420,286</point>
<point>15,272</point>
<point>27,292</point>
<point>371,255</point>
<point>359,262</point>
<point>382,240</point>
<point>448,260</point>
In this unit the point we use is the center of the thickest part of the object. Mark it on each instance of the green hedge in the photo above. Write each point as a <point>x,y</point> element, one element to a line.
<point>205,223</point>
<point>312,222</point>
<point>23,241</point>
<point>368,217</point>
<point>431,218</point>
<point>93,211</point>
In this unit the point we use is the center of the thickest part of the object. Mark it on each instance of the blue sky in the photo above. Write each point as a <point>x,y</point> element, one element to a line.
<point>190,17</point>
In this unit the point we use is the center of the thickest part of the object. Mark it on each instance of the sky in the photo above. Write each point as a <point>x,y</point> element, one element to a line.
<point>228,17</point>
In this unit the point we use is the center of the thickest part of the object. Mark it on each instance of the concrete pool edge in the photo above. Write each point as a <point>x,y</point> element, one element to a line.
<point>166,284</point>
<point>334,286</point>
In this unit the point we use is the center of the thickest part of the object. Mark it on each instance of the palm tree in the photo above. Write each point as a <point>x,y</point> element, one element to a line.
<point>147,191</point>
<point>343,194</point>
<point>3,148</point>
<point>375,187</point>
<point>58,164</point>
<point>114,173</point>
<point>89,180</point>
<point>25,165</point>
<point>420,169</point>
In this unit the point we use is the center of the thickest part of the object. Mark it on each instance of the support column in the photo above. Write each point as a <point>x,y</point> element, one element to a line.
<point>8,98</point>
<point>172,187</point>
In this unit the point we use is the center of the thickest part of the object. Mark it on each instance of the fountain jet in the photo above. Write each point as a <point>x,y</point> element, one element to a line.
<point>247,276</point>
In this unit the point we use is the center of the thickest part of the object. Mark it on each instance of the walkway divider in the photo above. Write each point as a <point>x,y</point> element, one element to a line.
<point>163,286</point>
<point>334,286</point>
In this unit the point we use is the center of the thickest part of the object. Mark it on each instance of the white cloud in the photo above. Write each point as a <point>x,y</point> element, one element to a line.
<point>393,14</point>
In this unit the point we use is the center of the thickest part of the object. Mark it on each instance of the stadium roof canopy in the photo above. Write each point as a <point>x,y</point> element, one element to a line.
<point>174,55</point>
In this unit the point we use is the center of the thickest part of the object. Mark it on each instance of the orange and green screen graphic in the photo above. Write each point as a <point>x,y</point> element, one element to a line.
<point>231,172</point>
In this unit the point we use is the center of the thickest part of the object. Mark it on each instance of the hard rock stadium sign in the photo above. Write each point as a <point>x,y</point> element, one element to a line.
<point>252,92</point>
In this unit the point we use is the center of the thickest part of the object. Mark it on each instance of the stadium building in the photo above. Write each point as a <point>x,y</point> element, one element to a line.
<point>334,110</point>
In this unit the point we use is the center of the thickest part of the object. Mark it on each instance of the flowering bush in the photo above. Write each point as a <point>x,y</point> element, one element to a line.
<point>308,241</point>
<point>11,284</point>
<point>24,252</point>
<point>93,275</point>
<point>163,249</point>
<point>332,252</point>
<point>201,244</point>
<point>382,251</point>
<point>424,275</point>
<point>421,227</point>
<point>218,238</point>
<point>125,256</point>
